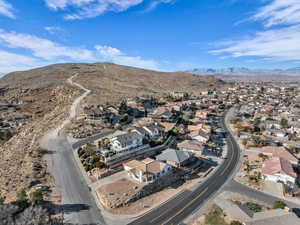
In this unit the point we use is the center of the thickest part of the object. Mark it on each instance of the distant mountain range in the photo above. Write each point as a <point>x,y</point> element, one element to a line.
<point>240,71</point>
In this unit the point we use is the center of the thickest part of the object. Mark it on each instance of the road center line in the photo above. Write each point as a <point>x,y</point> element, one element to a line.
<point>190,203</point>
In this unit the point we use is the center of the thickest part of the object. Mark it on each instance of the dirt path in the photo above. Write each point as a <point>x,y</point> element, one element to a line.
<point>77,202</point>
<point>72,111</point>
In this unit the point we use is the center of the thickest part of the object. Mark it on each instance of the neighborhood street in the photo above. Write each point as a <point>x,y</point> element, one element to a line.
<point>78,204</point>
<point>177,209</point>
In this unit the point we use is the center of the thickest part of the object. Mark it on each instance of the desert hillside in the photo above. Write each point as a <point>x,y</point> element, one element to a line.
<point>44,95</point>
<point>110,82</point>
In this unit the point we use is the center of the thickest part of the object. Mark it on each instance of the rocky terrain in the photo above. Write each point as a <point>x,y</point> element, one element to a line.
<point>20,164</point>
<point>48,96</point>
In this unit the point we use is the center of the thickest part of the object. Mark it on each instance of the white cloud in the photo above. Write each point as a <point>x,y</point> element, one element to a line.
<point>14,62</point>
<point>282,44</point>
<point>44,48</point>
<point>116,56</point>
<point>43,51</point>
<point>53,29</point>
<point>6,9</point>
<point>279,12</point>
<point>92,8</point>
<point>155,3</point>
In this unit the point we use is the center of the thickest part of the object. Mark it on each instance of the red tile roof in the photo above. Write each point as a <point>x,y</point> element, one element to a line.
<point>278,165</point>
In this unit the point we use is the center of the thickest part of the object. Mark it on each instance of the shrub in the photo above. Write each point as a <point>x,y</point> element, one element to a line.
<point>254,206</point>
<point>99,165</point>
<point>2,199</point>
<point>36,197</point>
<point>215,217</point>
<point>236,223</point>
<point>22,199</point>
<point>279,205</point>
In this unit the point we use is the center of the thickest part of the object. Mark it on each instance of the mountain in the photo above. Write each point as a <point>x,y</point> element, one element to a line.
<point>295,69</point>
<point>109,82</point>
<point>46,95</point>
<point>240,71</point>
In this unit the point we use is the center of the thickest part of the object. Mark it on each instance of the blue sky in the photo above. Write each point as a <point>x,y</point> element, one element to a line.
<point>167,35</point>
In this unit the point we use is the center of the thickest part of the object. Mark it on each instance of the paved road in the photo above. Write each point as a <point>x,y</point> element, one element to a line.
<point>77,202</point>
<point>236,187</point>
<point>176,210</point>
<point>95,137</point>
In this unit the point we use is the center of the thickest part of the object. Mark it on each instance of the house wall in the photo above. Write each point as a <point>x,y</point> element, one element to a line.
<point>166,171</point>
<point>279,177</point>
<point>200,138</point>
<point>116,145</point>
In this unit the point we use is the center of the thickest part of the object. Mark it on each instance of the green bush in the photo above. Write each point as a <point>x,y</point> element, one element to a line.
<point>22,199</point>
<point>236,223</point>
<point>99,165</point>
<point>254,206</point>
<point>2,199</point>
<point>36,197</point>
<point>5,135</point>
<point>279,205</point>
<point>215,217</point>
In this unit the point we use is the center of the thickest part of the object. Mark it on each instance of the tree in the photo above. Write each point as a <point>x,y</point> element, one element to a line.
<point>279,205</point>
<point>236,223</point>
<point>123,107</point>
<point>284,123</point>
<point>263,156</point>
<point>2,199</point>
<point>244,142</point>
<point>257,121</point>
<point>22,198</point>
<point>254,206</point>
<point>36,197</point>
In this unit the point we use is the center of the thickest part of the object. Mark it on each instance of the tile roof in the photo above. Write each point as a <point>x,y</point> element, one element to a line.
<point>279,152</point>
<point>278,165</point>
<point>190,145</point>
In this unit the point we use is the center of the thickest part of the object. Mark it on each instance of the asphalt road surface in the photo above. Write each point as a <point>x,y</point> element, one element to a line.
<point>78,204</point>
<point>242,189</point>
<point>179,208</point>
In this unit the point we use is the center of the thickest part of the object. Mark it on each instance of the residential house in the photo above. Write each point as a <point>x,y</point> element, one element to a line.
<point>296,127</point>
<point>147,170</point>
<point>270,124</point>
<point>281,152</point>
<point>179,95</point>
<point>278,170</point>
<point>191,146</point>
<point>167,126</point>
<point>125,142</point>
<point>176,158</point>
<point>275,132</point>
<point>151,131</point>
<point>202,114</point>
<point>242,213</point>
<point>199,135</point>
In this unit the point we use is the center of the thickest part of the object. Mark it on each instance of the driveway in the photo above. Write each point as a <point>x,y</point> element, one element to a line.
<point>108,180</point>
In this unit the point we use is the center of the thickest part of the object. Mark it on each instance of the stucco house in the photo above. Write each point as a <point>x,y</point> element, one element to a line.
<point>125,142</point>
<point>176,158</point>
<point>278,169</point>
<point>191,146</point>
<point>151,131</point>
<point>147,170</point>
